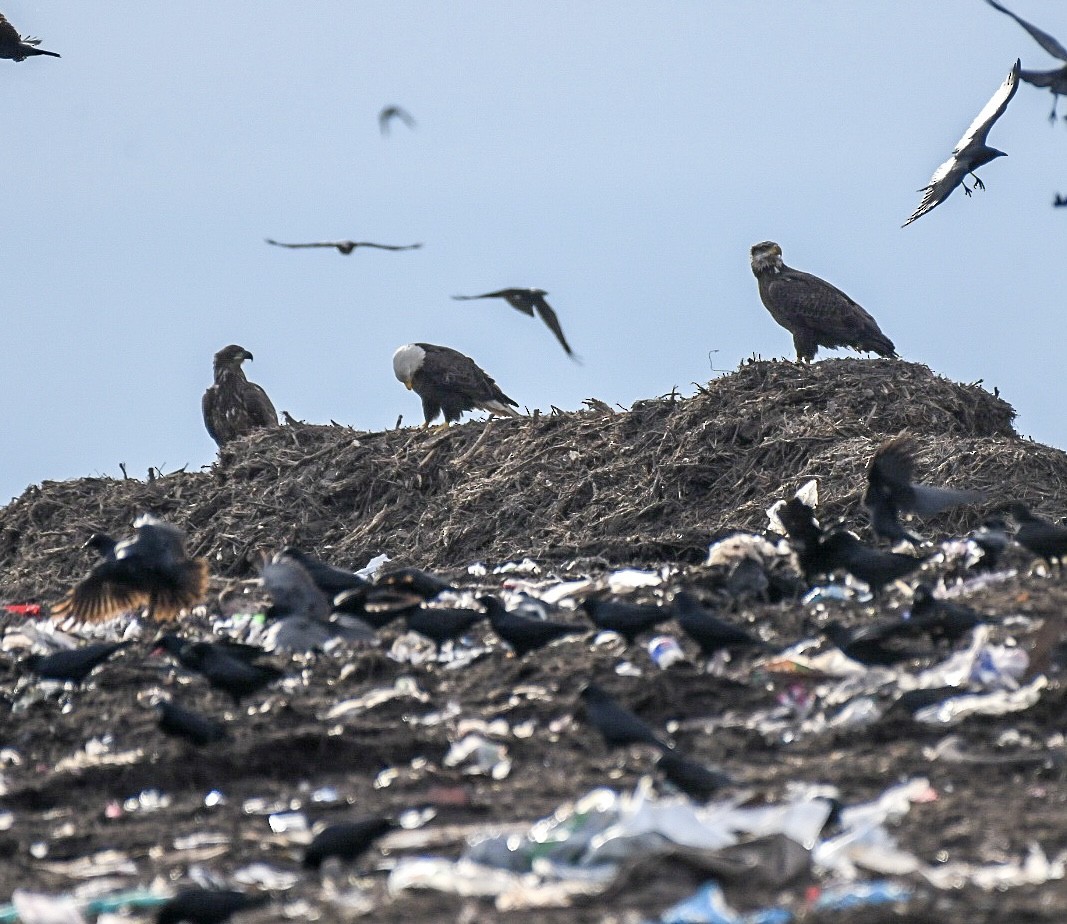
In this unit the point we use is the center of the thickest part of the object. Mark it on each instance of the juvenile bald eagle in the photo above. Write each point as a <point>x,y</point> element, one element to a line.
<point>813,311</point>
<point>233,406</point>
<point>970,153</point>
<point>17,48</point>
<point>148,569</point>
<point>448,382</point>
<point>528,301</point>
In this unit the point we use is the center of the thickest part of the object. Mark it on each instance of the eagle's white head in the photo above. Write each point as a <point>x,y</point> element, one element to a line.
<point>766,257</point>
<point>407,361</point>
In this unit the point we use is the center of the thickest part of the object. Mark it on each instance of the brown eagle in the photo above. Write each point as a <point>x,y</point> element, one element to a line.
<point>813,311</point>
<point>233,406</point>
<point>149,569</point>
<point>17,48</point>
<point>448,382</point>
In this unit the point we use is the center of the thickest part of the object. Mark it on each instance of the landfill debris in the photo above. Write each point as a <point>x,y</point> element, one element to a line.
<point>478,755</point>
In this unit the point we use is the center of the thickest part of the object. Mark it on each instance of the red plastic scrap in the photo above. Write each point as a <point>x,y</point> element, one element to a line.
<point>23,609</point>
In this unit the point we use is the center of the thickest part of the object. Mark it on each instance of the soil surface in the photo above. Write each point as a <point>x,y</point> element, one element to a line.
<point>94,799</point>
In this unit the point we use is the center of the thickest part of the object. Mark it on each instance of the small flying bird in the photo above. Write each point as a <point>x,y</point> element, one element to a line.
<point>1059,202</point>
<point>815,312</point>
<point>346,247</point>
<point>73,665</point>
<point>207,906</point>
<point>388,113</point>
<point>626,619</point>
<point>346,840</point>
<point>1035,534</point>
<point>180,722</point>
<point>529,301</point>
<point>149,568</point>
<point>17,47</point>
<point>890,491</point>
<point>617,725</point>
<point>970,153</point>
<point>233,406</point>
<point>448,383</point>
<point>1055,80</point>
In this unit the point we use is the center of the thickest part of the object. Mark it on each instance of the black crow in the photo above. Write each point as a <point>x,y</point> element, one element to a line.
<point>346,840</point>
<point>529,301</point>
<point>207,906</point>
<point>329,579</point>
<point>441,625</point>
<point>73,665</point>
<point>872,566</point>
<point>618,726</point>
<point>184,723</point>
<point>707,630</point>
<point>698,782</point>
<point>627,619</point>
<point>1037,535</point>
<point>523,633</point>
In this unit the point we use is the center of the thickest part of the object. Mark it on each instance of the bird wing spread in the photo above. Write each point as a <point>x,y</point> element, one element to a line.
<point>1043,39</point>
<point>548,315</point>
<point>978,130</point>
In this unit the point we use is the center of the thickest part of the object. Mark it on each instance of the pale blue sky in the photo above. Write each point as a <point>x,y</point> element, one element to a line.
<point>624,156</point>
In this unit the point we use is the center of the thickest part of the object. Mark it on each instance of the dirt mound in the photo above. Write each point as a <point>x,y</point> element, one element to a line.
<point>640,486</point>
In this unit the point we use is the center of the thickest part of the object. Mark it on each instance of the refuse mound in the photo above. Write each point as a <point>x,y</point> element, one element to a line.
<point>641,486</point>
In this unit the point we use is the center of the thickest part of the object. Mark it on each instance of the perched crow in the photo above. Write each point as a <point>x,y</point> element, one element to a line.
<point>150,567</point>
<point>412,580</point>
<point>872,566</point>
<point>1046,540</point>
<point>184,723</point>
<point>992,538</point>
<point>226,667</point>
<point>207,906</point>
<point>376,606</point>
<point>698,782</point>
<point>292,589</point>
<point>529,301</point>
<point>73,665</point>
<point>941,619</point>
<point>441,625</point>
<point>627,619</point>
<point>618,726</point>
<point>890,491</point>
<point>522,633</point>
<point>707,630</point>
<point>867,644</point>
<point>347,840</point>
<point>328,578</point>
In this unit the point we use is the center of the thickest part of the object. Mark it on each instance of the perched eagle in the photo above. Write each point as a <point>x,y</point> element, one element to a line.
<point>528,301</point>
<point>233,406</point>
<point>17,48</point>
<point>1055,80</point>
<point>970,153</point>
<point>448,382</point>
<point>345,247</point>
<point>813,311</point>
<point>150,568</point>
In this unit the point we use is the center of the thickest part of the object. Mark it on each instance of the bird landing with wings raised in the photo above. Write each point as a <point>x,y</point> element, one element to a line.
<point>970,153</point>
<point>529,301</point>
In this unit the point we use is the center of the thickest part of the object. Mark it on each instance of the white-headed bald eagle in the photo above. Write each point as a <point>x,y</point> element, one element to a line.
<point>448,382</point>
<point>233,406</point>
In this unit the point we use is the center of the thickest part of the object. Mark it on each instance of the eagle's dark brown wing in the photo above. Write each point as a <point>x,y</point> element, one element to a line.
<point>9,35</point>
<point>235,407</point>
<point>806,304</point>
<point>548,315</point>
<point>453,371</point>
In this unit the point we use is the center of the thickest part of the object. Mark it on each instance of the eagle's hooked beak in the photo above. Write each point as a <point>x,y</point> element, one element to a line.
<point>407,384</point>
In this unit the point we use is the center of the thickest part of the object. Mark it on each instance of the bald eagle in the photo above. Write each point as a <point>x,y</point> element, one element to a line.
<point>813,311</point>
<point>233,406</point>
<point>149,568</point>
<point>448,382</point>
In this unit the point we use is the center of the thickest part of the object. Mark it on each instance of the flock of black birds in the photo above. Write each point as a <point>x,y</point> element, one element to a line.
<point>315,604</point>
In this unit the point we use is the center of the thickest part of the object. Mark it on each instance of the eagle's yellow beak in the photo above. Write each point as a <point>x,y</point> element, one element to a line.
<point>407,384</point>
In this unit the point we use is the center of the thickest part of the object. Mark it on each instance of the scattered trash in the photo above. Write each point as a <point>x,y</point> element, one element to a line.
<point>631,579</point>
<point>664,650</point>
<point>478,755</point>
<point>999,702</point>
<point>370,571</point>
